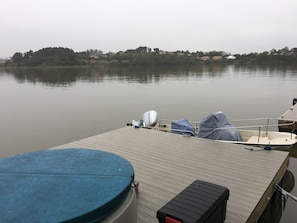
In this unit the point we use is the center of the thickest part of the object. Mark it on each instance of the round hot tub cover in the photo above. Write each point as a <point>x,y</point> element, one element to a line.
<point>63,185</point>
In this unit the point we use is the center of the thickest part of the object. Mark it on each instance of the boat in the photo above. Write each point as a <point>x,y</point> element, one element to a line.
<point>217,127</point>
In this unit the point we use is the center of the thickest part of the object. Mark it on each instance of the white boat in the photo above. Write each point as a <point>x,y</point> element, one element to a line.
<point>218,128</point>
<point>263,138</point>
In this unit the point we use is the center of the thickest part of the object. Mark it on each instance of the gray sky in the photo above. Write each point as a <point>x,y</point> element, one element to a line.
<point>233,26</point>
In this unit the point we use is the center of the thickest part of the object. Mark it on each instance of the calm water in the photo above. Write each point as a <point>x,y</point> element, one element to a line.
<point>49,107</point>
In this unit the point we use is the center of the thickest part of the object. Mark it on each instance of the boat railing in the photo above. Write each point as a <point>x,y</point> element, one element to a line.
<point>165,125</point>
<point>267,125</point>
<point>267,120</point>
<point>258,127</point>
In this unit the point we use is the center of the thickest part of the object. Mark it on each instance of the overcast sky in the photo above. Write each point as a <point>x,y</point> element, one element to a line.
<point>233,26</point>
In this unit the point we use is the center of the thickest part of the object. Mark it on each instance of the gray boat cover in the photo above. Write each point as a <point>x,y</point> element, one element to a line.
<point>216,126</point>
<point>182,126</point>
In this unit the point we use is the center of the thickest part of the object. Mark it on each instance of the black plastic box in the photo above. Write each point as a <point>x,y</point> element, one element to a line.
<point>199,202</point>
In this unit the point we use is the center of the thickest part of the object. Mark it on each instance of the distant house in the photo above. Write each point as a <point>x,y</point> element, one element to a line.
<point>217,57</point>
<point>231,57</point>
<point>94,56</point>
<point>204,58</point>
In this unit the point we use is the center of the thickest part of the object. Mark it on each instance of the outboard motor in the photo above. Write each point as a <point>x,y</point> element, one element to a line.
<point>294,101</point>
<point>148,119</point>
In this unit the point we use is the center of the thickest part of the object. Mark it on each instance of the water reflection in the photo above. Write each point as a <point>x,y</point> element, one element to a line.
<point>48,76</point>
<point>67,76</point>
<point>249,68</point>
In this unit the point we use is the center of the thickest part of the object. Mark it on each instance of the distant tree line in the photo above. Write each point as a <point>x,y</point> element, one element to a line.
<point>52,56</point>
<point>59,56</point>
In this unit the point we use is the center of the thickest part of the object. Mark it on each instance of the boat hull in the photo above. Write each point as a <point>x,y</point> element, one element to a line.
<point>254,137</point>
<point>263,138</point>
<point>287,126</point>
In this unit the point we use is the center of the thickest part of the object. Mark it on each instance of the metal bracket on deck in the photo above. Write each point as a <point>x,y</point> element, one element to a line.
<point>285,193</point>
<point>135,185</point>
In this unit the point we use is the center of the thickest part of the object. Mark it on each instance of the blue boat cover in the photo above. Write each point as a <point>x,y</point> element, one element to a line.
<point>63,185</point>
<point>182,126</point>
<point>216,126</point>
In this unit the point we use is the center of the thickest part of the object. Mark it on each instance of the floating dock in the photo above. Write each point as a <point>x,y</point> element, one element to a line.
<point>290,118</point>
<point>166,163</point>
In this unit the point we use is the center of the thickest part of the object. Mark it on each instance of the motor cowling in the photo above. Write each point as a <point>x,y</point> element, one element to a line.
<point>149,118</point>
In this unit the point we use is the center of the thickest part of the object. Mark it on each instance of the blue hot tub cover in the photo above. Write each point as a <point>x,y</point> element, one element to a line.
<point>62,185</point>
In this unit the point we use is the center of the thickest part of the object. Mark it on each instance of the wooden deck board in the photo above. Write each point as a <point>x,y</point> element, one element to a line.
<point>290,115</point>
<point>166,163</point>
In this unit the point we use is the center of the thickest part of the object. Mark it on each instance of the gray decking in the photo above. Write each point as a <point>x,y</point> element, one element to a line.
<point>166,163</point>
<point>289,116</point>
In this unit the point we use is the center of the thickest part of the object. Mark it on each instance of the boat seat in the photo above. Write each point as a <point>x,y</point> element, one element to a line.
<point>256,139</point>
